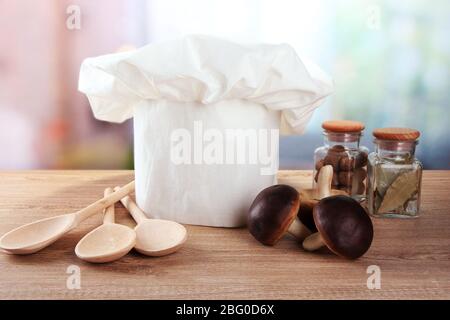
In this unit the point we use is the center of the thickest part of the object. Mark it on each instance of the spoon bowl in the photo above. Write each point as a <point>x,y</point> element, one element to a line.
<point>156,237</point>
<point>35,236</point>
<point>106,243</point>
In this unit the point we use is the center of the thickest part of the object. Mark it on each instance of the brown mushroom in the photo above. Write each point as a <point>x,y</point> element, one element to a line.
<point>349,163</point>
<point>349,178</point>
<point>346,163</point>
<point>333,156</point>
<point>324,181</point>
<point>343,226</point>
<point>319,164</point>
<point>332,159</point>
<point>305,215</point>
<point>273,213</point>
<point>310,197</point>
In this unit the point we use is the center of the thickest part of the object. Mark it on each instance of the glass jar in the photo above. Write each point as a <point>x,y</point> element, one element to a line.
<point>394,174</point>
<point>342,150</point>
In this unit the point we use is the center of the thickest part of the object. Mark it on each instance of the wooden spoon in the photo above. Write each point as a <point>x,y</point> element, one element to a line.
<point>108,242</point>
<point>155,237</point>
<point>35,236</point>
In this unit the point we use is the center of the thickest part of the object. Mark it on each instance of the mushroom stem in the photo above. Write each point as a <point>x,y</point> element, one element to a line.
<point>298,230</point>
<point>313,242</point>
<point>324,181</point>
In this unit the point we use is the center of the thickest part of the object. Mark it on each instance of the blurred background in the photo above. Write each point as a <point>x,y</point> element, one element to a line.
<point>390,61</point>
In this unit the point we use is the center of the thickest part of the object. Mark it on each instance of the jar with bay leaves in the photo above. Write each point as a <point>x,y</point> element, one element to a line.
<point>342,150</point>
<point>394,174</point>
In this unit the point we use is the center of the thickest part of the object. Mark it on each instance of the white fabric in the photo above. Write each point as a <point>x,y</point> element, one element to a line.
<point>167,86</point>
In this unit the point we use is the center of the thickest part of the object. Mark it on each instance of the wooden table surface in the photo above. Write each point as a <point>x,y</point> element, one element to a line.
<point>216,263</point>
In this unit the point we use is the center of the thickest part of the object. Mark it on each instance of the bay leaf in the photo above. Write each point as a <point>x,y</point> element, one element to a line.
<point>400,191</point>
<point>385,176</point>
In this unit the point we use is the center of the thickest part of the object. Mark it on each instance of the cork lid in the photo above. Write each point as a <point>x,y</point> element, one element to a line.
<point>343,126</point>
<point>397,134</point>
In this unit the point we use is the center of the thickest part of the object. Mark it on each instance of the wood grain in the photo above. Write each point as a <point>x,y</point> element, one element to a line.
<point>343,126</point>
<point>216,263</point>
<point>399,134</point>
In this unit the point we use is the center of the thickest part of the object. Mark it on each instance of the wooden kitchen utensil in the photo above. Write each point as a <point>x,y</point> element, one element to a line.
<point>35,236</point>
<point>155,237</point>
<point>108,242</point>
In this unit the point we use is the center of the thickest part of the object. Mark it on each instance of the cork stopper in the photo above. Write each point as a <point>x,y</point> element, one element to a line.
<point>396,134</point>
<point>343,126</point>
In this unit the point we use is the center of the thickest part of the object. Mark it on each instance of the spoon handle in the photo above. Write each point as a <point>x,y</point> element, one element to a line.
<point>103,203</point>
<point>132,207</point>
<point>109,212</point>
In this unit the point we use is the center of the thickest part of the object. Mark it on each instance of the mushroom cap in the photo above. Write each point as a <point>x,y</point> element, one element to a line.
<point>344,225</point>
<point>272,212</point>
<point>305,214</point>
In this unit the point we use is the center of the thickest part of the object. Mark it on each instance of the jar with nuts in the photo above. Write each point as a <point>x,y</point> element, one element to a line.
<point>342,150</point>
